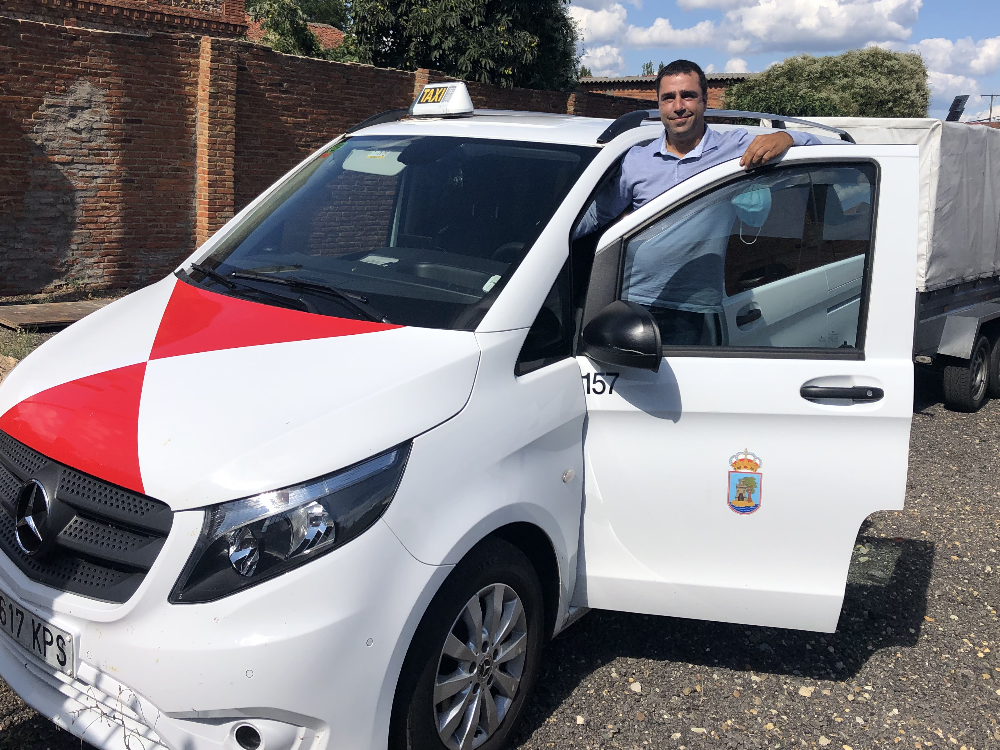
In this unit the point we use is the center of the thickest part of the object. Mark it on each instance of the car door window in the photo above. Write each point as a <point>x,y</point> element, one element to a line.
<point>773,260</point>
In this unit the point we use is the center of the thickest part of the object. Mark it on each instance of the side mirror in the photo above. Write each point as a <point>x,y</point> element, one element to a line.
<point>624,334</point>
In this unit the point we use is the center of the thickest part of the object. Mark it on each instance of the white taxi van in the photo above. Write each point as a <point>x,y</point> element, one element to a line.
<point>335,481</point>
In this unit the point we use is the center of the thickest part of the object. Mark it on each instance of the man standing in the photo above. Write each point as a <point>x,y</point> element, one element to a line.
<point>680,279</point>
<point>688,146</point>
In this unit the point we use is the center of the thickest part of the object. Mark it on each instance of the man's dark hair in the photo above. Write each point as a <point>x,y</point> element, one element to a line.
<point>678,67</point>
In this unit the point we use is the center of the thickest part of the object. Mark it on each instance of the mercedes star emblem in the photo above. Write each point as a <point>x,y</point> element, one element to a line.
<point>32,515</point>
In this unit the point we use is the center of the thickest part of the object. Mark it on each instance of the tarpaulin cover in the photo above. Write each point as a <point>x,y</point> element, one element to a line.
<point>959,224</point>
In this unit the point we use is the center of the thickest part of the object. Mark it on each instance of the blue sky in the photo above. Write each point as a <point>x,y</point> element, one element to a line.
<point>959,39</point>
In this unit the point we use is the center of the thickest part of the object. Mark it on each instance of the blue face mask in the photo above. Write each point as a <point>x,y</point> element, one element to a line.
<point>753,206</point>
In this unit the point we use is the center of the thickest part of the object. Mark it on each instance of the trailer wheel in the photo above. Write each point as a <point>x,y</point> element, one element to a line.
<point>967,384</point>
<point>994,390</point>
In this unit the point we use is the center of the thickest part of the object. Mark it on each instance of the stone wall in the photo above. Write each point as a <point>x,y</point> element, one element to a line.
<point>121,153</point>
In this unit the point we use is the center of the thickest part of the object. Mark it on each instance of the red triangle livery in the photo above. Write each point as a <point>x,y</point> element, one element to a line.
<point>197,321</point>
<point>90,424</point>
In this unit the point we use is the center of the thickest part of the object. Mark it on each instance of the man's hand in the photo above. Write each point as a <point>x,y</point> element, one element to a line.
<point>763,148</point>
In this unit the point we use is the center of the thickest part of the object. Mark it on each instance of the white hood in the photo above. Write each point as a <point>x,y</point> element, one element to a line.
<point>195,398</point>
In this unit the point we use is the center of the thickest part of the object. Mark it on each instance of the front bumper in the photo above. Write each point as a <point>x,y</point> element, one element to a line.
<point>310,659</point>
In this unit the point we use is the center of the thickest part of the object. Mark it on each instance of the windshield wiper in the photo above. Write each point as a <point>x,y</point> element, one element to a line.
<point>213,274</point>
<point>227,282</point>
<point>357,301</point>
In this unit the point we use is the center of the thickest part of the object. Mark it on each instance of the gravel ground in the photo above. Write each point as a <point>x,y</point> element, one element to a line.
<point>914,663</point>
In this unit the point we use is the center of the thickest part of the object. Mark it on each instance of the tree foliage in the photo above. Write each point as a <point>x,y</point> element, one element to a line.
<point>870,82</point>
<point>286,24</point>
<point>585,72</point>
<point>528,43</point>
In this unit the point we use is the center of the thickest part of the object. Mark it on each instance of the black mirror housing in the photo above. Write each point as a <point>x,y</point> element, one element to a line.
<point>624,334</point>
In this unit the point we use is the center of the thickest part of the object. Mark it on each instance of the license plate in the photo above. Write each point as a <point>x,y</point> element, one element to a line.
<point>52,645</point>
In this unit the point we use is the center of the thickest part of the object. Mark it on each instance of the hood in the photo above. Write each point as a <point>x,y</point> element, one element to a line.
<point>195,398</point>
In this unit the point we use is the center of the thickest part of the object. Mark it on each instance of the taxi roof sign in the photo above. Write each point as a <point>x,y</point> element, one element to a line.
<point>442,100</point>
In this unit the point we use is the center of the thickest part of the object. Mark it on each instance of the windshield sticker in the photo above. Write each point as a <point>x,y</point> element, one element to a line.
<point>492,282</point>
<point>330,151</point>
<point>745,482</point>
<point>378,162</point>
<point>379,260</point>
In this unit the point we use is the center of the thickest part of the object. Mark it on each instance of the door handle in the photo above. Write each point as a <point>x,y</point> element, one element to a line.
<point>747,315</point>
<point>858,394</point>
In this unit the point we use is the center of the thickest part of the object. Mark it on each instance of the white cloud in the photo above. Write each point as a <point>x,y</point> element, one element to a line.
<point>964,56</point>
<point>948,85</point>
<point>663,34</point>
<point>737,65</point>
<point>600,24</point>
<point>713,4</point>
<point>710,68</point>
<point>817,25</point>
<point>604,60</point>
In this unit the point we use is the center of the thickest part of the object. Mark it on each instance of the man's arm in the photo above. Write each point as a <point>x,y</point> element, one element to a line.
<point>765,148</point>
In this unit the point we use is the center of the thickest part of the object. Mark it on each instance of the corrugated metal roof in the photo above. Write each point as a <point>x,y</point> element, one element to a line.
<point>648,79</point>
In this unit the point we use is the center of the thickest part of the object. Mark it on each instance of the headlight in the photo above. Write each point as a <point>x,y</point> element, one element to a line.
<point>245,542</point>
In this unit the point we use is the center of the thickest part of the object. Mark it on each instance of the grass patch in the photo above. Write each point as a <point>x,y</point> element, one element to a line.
<point>19,344</point>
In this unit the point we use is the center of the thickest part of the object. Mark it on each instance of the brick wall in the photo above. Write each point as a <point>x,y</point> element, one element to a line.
<point>215,17</point>
<point>121,153</point>
<point>97,150</point>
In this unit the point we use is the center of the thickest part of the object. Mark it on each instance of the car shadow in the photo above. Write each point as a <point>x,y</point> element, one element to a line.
<point>884,607</point>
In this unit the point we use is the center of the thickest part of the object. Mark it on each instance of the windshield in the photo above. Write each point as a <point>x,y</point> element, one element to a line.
<point>419,230</point>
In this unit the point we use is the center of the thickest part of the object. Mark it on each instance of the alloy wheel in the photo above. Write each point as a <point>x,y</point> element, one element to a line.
<point>480,667</point>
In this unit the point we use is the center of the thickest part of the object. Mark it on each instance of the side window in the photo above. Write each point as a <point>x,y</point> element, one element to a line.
<point>550,337</point>
<point>772,260</point>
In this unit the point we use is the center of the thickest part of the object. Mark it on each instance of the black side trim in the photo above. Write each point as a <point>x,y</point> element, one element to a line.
<point>634,119</point>
<point>752,352</point>
<point>391,115</point>
<point>605,276</point>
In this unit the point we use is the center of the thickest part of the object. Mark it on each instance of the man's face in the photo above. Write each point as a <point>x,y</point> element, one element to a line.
<point>682,106</point>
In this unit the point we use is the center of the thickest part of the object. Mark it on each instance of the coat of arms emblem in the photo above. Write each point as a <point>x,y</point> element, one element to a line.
<point>744,482</point>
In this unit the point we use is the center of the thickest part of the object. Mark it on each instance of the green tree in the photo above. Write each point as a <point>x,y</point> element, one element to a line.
<point>286,25</point>
<point>529,43</point>
<point>647,69</point>
<point>870,82</point>
<point>585,72</point>
<point>331,12</point>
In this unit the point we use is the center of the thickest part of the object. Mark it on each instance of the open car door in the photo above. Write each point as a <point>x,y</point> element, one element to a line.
<point>730,484</point>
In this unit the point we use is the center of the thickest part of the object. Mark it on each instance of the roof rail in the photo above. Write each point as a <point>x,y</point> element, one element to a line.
<point>634,119</point>
<point>390,115</point>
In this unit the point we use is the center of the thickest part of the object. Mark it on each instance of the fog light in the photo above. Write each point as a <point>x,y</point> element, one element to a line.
<point>248,737</point>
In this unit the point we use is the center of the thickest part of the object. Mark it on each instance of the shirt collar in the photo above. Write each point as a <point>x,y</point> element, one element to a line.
<point>708,143</point>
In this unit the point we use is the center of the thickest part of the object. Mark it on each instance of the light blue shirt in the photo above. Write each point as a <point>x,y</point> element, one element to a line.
<point>678,263</point>
<point>649,171</point>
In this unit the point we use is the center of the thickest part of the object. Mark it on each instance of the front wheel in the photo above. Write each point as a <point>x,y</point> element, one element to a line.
<point>475,655</point>
<point>966,384</point>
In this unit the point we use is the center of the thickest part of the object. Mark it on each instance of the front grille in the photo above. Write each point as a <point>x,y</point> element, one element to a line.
<point>108,537</point>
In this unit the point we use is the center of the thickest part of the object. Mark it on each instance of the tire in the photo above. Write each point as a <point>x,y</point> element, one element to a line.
<point>994,391</point>
<point>494,569</point>
<point>967,384</point>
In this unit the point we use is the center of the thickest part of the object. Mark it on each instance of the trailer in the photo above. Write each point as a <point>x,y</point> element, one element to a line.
<point>957,323</point>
